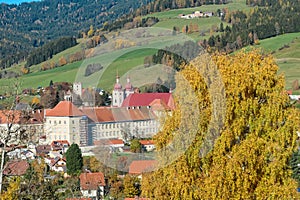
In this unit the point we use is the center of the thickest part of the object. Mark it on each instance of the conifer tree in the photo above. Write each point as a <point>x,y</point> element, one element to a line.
<point>74,159</point>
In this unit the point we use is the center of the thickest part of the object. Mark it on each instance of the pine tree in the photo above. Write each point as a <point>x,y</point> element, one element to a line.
<point>74,159</point>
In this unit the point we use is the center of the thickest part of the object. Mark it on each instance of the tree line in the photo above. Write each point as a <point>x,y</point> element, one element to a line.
<point>276,18</point>
<point>48,50</point>
<point>27,26</point>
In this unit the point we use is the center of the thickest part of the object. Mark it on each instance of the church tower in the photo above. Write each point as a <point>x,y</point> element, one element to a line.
<point>128,88</point>
<point>118,93</point>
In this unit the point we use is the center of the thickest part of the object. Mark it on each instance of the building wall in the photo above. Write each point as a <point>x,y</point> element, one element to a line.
<point>73,129</point>
<point>140,129</point>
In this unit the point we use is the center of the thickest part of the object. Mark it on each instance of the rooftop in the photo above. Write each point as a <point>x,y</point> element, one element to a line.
<point>142,166</point>
<point>91,181</point>
<point>64,109</point>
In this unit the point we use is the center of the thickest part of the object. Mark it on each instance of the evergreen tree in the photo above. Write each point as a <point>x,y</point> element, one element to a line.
<point>74,159</point>
<point>295,165</point>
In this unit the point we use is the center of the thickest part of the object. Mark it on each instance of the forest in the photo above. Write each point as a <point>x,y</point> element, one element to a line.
<point>29,25</point>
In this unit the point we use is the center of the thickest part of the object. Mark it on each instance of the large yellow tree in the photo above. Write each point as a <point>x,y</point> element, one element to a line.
<point>235,141</point>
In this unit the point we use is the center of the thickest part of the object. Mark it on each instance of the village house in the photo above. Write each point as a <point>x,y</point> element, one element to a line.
<point>113,144</point>
<point>148,145</point>
<point>58,164</point>
<point>138,167</point>
<point>15,168</point>
<point>92,185</point>
<point>30,123</point>
<point>196,14</point>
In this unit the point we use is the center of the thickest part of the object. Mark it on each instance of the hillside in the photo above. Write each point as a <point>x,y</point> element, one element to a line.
<point>130,62</point>
<point>29,25</point>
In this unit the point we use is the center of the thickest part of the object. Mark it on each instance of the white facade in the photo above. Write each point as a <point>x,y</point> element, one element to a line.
<point>77,88</point>
<point>125,129</point>
<point>96,194</point>
<point>66,128</point>
<point>119,94</point>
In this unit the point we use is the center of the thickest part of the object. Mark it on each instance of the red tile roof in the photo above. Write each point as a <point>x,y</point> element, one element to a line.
<point>91,181</point>
<point>142,166</point>
<point>147,142</point>
<point>145,99</point>
<point>114,114</point>
<point>289,92</point>
<point>108,142</point>
<point>13,116</point>
<point>64,109</point>
<point>15,168</point>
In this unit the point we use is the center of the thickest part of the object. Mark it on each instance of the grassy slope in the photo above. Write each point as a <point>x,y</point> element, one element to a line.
<point>288,59</point>
<point>133,61</point>
<point>169,19</point>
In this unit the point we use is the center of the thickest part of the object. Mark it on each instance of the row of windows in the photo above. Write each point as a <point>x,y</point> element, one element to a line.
<point>57,137</point>
<point>118,133</point>
<point>60,122</point>
<point>120,125</point>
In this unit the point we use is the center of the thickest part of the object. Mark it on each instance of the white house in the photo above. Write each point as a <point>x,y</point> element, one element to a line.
<point>92,185</point>
<point>58,164</point>
<point>148,144</point>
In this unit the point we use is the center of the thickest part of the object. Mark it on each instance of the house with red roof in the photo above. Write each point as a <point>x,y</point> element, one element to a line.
<point>113,143</point>
<point>148,145</point>
<point>15,168</point>
<point>32,122</point>
<point>66,122</point>
<point>92,185</point>
<point>58,164</point>
<point>138,167</point>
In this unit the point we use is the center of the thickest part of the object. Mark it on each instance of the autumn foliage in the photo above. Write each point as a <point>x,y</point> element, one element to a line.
<point>256,138</point>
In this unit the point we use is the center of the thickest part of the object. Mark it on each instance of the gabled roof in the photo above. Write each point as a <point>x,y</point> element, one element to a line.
<point>147,142</point>
<point>91,181</point>
<point>142,166</point>
<point>64,109</point>
<point>15,168</point>
<point>145,99</point>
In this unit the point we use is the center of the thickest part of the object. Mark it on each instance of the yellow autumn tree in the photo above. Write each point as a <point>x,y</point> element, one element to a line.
<point>235,141</point>
<point>11,192</point>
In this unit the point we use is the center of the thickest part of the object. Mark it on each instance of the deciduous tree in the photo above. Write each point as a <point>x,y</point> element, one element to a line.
<point>250,158</point>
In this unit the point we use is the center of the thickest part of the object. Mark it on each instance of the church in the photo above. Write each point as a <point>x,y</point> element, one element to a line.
<point>131,98</point>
